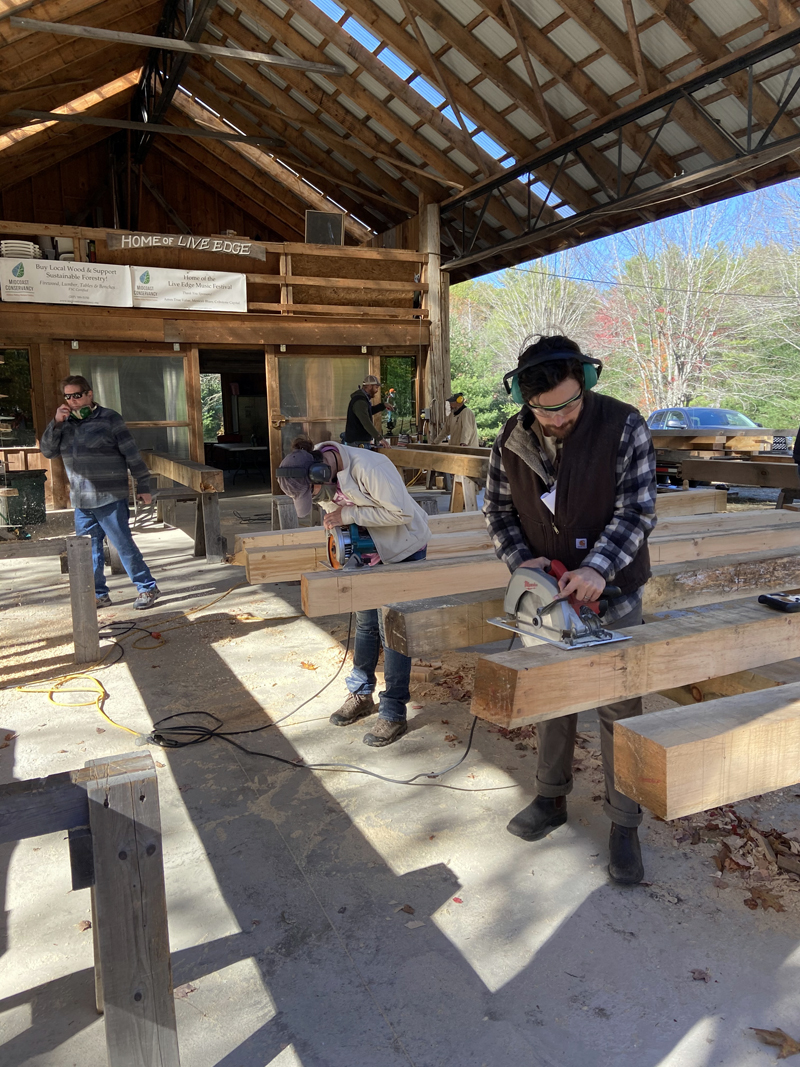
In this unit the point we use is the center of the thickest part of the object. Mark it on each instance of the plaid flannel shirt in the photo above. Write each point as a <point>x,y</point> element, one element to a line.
<point>634,511</point>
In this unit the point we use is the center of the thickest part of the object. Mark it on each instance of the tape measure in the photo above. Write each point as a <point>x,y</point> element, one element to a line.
<point>347,543</point>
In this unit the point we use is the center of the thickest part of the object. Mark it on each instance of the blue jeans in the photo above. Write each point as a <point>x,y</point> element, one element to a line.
<point>396,666</point>
<point>111,521</point>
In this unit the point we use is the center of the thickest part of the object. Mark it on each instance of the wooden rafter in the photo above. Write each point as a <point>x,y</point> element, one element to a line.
<point>267,164</point>
<point>636,46</point>
<point>291,115</point>
<point>522,46</point>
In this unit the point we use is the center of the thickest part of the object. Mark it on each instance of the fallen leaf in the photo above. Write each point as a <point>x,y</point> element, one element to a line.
<point>84,924</point>
<point>342,910</point>
<point>162,765</point>
<point>750,903</point>
<point>183,991</point>
<point>780,1039</point>
<point>7,740</point>
<point>457,900</point>
<point>445,722</point>
<point>256,922</point>
<point>407,909</point>
<point>99,730</point>
<point>308,666</point>
<point>766,899</point>
<point>699,976</point>
<point>414,924</point>
<point>450,737</point>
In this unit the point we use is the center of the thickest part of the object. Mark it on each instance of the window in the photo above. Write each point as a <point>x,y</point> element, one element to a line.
<point>676,420</point>
<point>656,420</point>
<point>149,393</point>
<point>16,417</point>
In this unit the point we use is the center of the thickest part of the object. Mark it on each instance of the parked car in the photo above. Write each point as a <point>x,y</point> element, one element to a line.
<point>699,418</point>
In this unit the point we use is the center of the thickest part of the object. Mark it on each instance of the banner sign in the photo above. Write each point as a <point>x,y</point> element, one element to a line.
<point>188,290</point>
<point>47,281</point>
<point>227,246</point>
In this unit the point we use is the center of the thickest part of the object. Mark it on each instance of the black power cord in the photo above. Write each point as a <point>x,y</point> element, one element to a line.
<point>186,735</point>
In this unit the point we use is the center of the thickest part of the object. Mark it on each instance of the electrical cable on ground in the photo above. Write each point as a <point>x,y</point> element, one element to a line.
<point>183,736</point>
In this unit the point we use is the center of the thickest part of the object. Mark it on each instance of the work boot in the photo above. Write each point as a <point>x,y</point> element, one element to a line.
<point>385,732</point>
<point>103,601</point>
<point>625,855</point>
<point>541,816</point>
<point>356,707</point>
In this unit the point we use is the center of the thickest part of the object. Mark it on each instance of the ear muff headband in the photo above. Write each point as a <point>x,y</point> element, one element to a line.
<point>592,369</point>
<point>317,473</point>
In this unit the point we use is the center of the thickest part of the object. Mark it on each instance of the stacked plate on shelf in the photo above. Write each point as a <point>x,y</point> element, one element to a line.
<point>20,250</point>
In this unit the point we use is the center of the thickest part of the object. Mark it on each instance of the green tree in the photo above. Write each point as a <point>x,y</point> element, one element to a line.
<point>211,403</point>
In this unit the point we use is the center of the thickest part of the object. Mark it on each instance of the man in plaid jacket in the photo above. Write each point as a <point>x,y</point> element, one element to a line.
<point>572,478</point>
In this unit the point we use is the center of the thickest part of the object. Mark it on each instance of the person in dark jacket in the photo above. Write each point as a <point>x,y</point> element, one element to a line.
<point>359,428</point>
<point>98,451</point>
<point>572,478</point>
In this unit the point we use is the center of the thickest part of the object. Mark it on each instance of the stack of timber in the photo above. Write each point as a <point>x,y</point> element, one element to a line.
<point>680,760</point>
<point>697,560</point>
<point>714,442</point>
<point>284,555</point>
<point>772,474</point>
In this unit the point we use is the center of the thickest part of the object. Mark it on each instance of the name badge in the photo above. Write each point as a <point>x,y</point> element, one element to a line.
<point>549,499</point>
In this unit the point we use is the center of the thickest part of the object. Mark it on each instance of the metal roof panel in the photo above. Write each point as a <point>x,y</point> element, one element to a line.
<point>565,102</point>
<point>540,12</point>
<point>373,86</point>
<point>489,92</point>
<point>662,45</point>
<point>403,112</point>
<point>497,40</point>
<point>523,122</point>
<point>463,10</point>
<point>722,18</point>
<point>608,74</point>
<point>460,66</point>
<point>393,8</point>
<point>573,40</point>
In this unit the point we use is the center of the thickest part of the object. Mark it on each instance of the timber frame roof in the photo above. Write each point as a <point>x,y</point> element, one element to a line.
<point>476,104</point>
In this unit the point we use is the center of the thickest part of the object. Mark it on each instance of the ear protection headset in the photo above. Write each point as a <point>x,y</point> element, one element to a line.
<point>592,369</point>
<point>458,398</point>
<point>318,473</point>
<point>81,413</point>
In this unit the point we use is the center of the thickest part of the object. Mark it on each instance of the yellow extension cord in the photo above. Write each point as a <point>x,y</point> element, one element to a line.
<point>97,691</point>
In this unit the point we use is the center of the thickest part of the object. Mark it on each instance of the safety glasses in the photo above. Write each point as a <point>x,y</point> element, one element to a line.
<point>558,407</point>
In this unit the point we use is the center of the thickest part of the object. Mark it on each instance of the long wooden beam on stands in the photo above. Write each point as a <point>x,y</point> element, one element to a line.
<point>425,627</point>
<point>741,472</point>
<point>446,462</point>
<point>534,684</point>
<point>684,760</point>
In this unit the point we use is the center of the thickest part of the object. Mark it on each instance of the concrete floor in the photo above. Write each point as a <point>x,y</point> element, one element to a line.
<point>284,884</point>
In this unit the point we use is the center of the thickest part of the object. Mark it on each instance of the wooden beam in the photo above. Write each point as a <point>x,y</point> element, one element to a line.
<point>457,620</point>
<point>633,37</point>
<point>197,476</point>
<point>691,502</point>
<point>288,563</point>
<point>172,44</point>
<point>429,626</point>
<point>446,462</point>
<point>151,127</point>
<point>334,592</point>
<point>534,684</point>
<point>685,760</point>
<point>741,472</point>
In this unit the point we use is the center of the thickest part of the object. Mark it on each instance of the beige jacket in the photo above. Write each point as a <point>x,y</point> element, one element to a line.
<point>381,502</point>
<point>460,428</point>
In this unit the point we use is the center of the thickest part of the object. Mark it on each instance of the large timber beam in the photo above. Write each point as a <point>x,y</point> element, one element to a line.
<point>742,472</point>
<point>534,684</point>
<point>684,760</point>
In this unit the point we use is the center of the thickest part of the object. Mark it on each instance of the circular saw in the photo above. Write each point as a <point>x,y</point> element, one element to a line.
<point>536,611</point>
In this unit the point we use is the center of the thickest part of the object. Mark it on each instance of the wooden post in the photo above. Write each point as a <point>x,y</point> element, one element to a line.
<point>114,562</point>
<point>215,544</point>
<point>284,514</point>
<point>437,364</point>
<point>131,914</point>
<point>82,599</point>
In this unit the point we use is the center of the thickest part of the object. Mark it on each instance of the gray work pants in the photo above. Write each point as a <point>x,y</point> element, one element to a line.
<point>556,744</point>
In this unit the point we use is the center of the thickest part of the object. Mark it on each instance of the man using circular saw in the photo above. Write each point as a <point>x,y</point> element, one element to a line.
<point>362,487</point>
<point>572,478</point>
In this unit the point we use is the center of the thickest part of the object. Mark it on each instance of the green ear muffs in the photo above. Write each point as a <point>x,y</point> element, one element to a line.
<point>592,368</point>
<point>81,413</point>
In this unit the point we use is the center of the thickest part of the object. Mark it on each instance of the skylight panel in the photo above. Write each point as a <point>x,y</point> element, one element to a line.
<point>395,63</point>
<point>424,88</point>
<point>450,114</point>
<point>329,8</point>
<point>361,34</point>
<point>488,144</point>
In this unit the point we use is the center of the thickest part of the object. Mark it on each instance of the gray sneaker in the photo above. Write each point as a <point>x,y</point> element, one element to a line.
<point>147,598</point>
<point>354,708</point>
<point>103,601</point>
<point>385,732</point>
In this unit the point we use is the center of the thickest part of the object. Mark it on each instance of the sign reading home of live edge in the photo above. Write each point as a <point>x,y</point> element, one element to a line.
<point>45,281</point>
<point>188,290</point>
<point>227,246</point>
